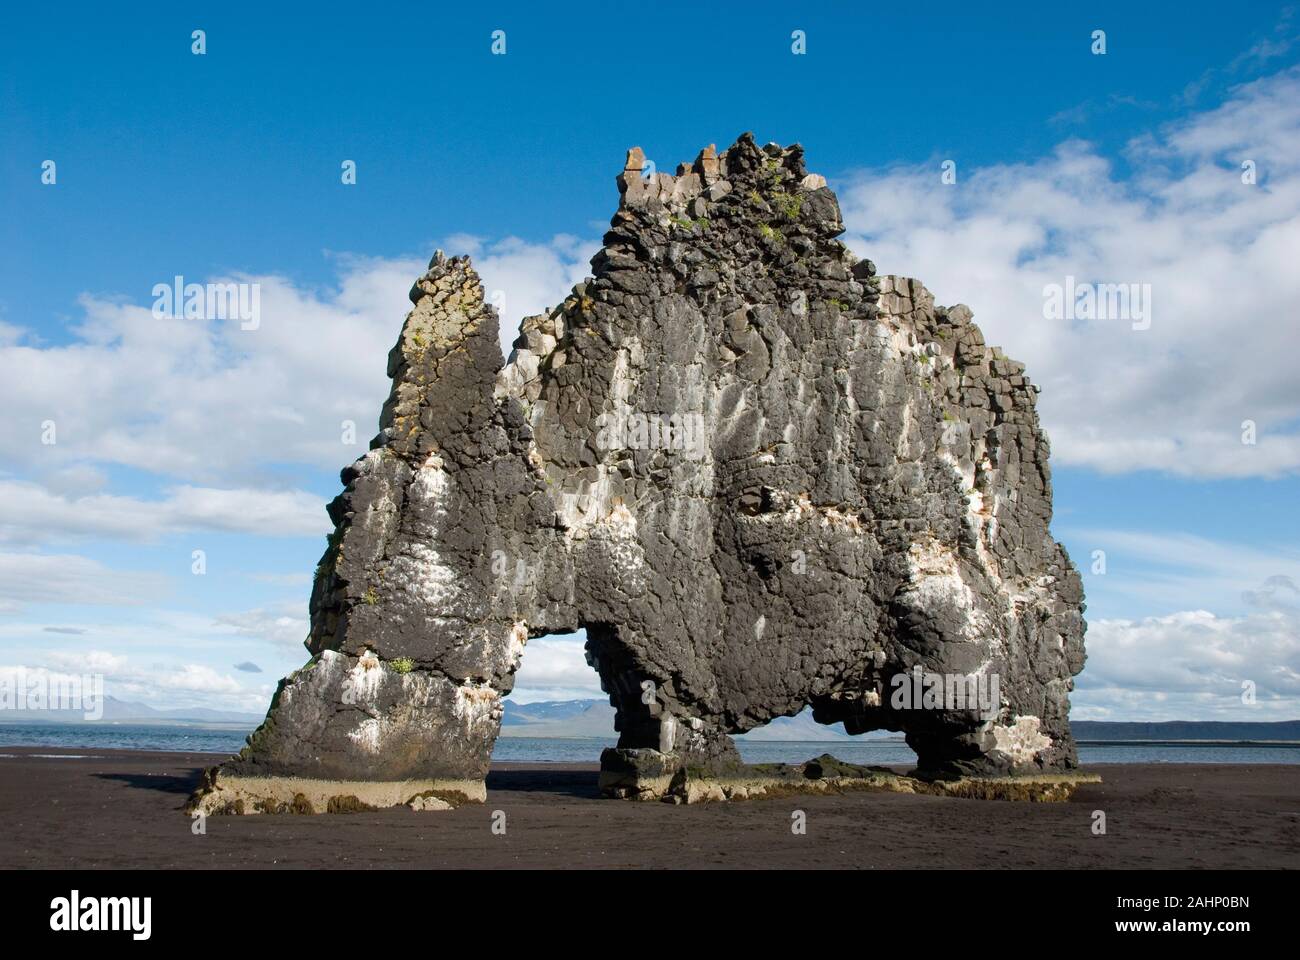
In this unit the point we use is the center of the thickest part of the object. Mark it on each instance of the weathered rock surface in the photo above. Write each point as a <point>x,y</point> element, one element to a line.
<point>760,476</point>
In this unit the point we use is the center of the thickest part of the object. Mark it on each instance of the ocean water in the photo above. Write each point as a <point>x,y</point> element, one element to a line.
<point>227,740</point>
<point>891,753</point>
<point>124,736</point>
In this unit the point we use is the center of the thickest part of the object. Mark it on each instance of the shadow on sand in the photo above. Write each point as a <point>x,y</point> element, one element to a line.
<point>164,783</point>
<point>583,784</point>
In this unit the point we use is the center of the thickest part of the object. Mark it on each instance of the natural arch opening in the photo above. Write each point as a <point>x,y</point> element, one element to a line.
<point>576,695</point>
<point>556,711</point>
<point>797,738</point>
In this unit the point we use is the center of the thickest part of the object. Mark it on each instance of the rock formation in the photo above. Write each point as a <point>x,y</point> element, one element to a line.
<point>760,476</point>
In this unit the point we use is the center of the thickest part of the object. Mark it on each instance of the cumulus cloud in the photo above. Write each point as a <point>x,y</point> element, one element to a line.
<point>1181,663</point>
<point>89,661</point>
<point>555,668</point>
<point>206,399</point>
<point>195,677</point>
<point>1191,664</point>
<point>278,626</point>
<point>210,402</point>
<point>159,686</point>
<point>1219,255</point>
<point>168,658</point>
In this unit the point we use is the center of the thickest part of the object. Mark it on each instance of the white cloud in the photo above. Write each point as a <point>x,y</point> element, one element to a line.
<point>89,661</point>
<point>1219,255</point>
<point>274,626</point>
<point>158,686</point>
<point>30,513</point>
<point>555,668</point>
<point>206,400</point>
<point>69,578</point>
<point>193,677</point>
<point>1191,665</point>
<point>169,658</point>
<point>75,480</point>
<point>209,402</point>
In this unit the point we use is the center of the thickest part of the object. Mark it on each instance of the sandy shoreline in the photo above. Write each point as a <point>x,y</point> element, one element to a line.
<point>116,808</point>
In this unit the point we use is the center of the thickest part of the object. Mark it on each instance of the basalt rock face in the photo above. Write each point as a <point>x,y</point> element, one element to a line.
<point>760,476</point>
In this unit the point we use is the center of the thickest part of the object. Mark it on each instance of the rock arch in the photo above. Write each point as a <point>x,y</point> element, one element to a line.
<point>761,476</point>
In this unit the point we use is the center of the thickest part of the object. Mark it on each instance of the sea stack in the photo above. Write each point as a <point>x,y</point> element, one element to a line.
<point>759,475</point>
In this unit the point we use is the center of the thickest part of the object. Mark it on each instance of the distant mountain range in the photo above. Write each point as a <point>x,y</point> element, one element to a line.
<point>595,718</point>
<point>1099,730</point>
<point>553,719</point>
<point>125,711</point>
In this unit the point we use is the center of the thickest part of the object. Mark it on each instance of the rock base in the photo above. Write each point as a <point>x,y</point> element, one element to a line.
<point>223,793</point>
<point>826,775</point>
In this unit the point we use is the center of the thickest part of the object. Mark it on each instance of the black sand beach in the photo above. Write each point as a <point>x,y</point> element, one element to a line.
<point>123,809</point>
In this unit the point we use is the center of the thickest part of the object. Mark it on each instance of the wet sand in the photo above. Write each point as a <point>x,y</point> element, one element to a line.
<point>123,809</point>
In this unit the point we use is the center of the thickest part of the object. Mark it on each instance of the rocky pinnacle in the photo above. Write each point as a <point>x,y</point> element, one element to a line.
<point>759,475</point>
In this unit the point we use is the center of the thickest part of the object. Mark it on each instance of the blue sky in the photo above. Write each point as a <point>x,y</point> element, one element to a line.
<point>177,436</point>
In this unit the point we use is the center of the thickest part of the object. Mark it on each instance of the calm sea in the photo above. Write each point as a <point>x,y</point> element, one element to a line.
<point>115,736</point>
